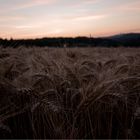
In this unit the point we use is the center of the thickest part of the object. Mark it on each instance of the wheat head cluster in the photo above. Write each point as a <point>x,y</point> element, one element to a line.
<point>69,93</point>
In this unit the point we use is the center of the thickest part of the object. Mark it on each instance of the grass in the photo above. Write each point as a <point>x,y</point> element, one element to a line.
<point>70,93</point>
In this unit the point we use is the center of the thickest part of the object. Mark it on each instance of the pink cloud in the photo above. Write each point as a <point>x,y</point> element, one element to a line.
<point>87,17</point>
<point>12,18</point>
<point>32,3</point>
<point>133,6</point>
<point>82,3</point>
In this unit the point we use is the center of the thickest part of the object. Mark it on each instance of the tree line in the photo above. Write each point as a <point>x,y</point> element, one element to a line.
<point>71,42</point>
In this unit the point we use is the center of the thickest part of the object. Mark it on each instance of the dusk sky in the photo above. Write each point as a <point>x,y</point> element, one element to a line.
<point>47,18</point>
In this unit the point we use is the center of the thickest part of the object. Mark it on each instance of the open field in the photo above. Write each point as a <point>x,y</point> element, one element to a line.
<point>70,93</point>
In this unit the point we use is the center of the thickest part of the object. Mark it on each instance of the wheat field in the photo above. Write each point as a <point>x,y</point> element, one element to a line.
<point>70,93</point>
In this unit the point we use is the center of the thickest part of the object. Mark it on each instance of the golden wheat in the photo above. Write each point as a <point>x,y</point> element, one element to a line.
<point>69,93</point>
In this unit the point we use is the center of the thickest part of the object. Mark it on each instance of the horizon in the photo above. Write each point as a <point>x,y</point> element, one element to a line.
<point>105,36</point>
<point>26,19</point>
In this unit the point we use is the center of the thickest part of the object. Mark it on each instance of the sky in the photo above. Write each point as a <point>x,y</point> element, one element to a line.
<point>68,18</point>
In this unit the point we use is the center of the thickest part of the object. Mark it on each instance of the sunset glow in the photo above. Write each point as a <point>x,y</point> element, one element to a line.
<point>47,18</point>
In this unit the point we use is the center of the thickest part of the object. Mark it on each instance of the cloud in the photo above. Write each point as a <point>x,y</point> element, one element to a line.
<point>32,3</point>
<point>55,31</point>
<point>90,17</point>
<point>24,27</point>
<point>91,1</point>
<point>23,4</point>
<point>133,6</point>
<point>82,3</point>
<point>29,26</point>
<point>12,18</point>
